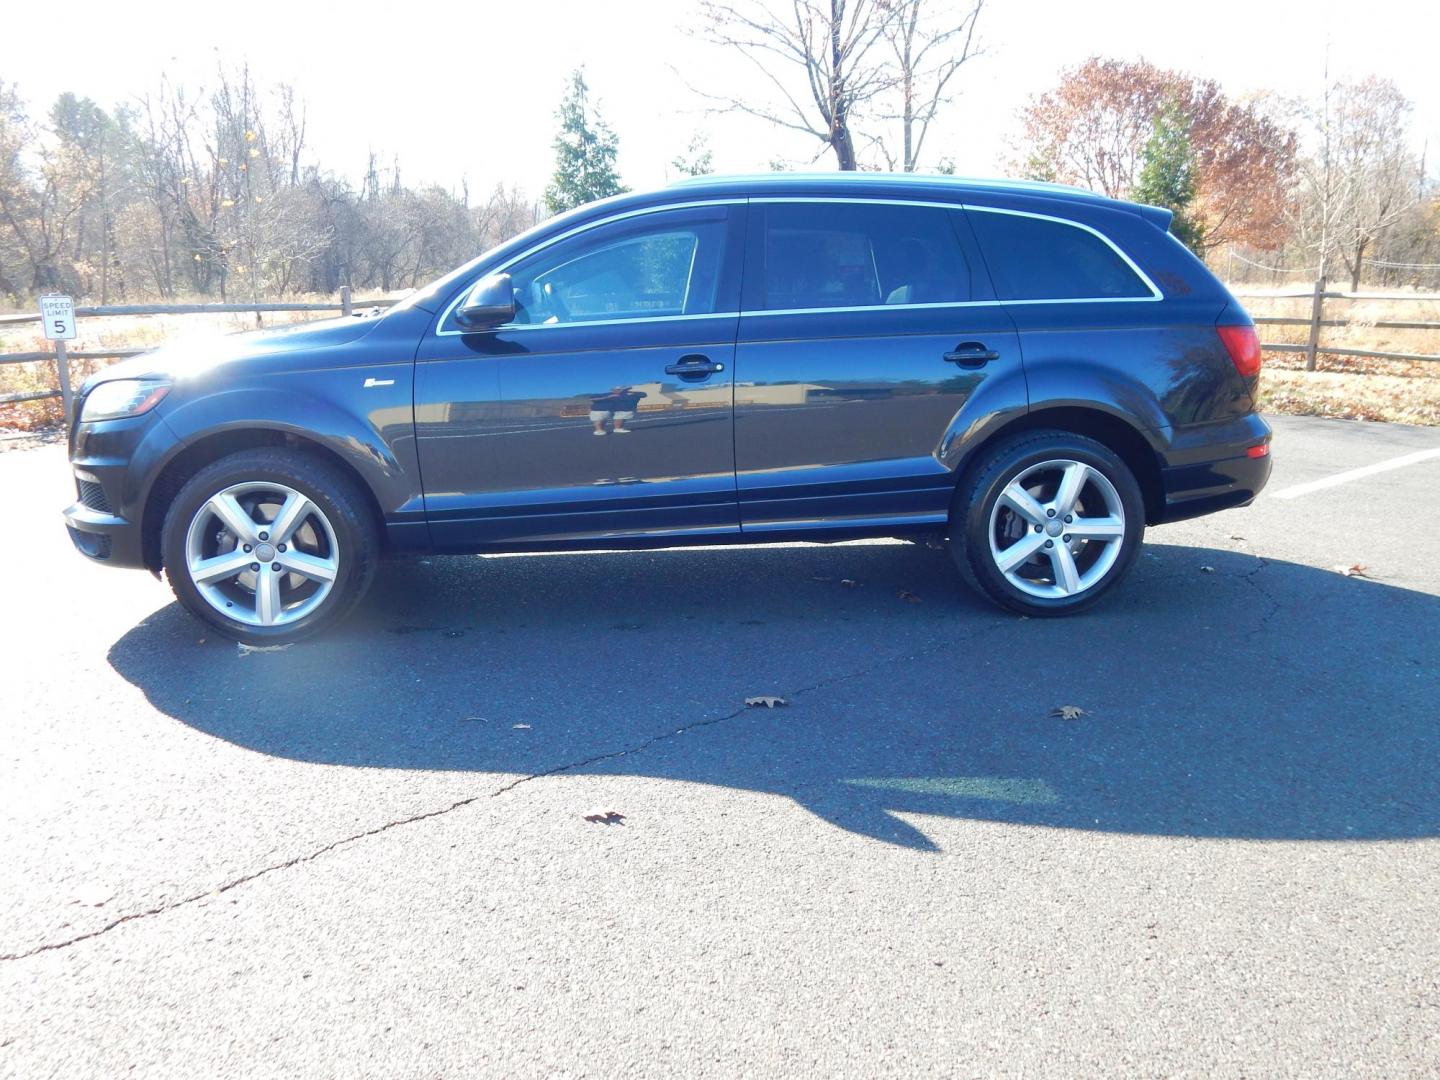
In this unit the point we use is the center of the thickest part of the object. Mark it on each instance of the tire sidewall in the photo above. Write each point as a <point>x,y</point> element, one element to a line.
<point>316,482</point>
<point>1000,470</point>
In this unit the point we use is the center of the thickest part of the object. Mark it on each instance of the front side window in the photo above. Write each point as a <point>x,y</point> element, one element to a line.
<point>1033,258</point>
<point>658,265</point>
<point>844,255</point>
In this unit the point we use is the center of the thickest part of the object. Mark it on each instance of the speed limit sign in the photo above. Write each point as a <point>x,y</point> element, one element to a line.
<point>57,313</point>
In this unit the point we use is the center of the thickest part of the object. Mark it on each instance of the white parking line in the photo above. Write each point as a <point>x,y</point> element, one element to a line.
<point>1357,474</point>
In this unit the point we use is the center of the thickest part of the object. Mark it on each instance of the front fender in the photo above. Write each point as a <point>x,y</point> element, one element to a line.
<point>378,443</point>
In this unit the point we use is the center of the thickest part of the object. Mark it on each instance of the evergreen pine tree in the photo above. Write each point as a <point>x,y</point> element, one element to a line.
<point>1167,174</point>
<point>584,153</point>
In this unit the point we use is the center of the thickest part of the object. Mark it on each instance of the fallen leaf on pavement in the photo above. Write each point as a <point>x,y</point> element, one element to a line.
<point>245,650</point>
<point>605,817</point>
<point>1355,570</point>
<point>1067,712</point>
<point>766,701</point>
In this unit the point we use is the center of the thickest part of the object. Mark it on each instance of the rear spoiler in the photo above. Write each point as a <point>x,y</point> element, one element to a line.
<point>1156,215</point>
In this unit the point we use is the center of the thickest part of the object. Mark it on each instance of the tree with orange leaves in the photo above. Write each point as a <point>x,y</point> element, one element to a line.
<point>1093,127</point>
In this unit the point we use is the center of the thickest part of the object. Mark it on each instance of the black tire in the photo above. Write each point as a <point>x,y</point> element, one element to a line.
<point>973,516</point>
<point>334,493</point>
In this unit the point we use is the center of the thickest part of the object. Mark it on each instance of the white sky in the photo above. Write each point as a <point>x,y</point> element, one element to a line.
<point>470,89</point>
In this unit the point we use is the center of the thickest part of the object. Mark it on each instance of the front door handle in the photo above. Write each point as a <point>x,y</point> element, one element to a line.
<point>971,354</point>
<point>690,366</point>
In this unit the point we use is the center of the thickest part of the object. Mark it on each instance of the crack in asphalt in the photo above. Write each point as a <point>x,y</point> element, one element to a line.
<point>161,909</point>
<point>412,819</point>
<point>1249,577</point>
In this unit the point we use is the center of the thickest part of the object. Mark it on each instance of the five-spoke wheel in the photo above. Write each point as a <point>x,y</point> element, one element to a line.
<point>1057,528</point>
<point>1047,521</point>
<point>262,553</point>
<point>269,545</point>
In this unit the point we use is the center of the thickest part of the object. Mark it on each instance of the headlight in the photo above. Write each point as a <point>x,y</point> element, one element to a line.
<point>123,397</point>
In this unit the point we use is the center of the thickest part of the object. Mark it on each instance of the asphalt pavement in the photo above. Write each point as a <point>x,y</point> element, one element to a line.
<point>370,855</point>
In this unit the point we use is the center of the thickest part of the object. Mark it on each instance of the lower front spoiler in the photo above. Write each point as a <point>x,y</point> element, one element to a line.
<point>104,538</point>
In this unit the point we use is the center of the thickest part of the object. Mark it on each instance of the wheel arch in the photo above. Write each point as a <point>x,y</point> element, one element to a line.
<point>212,446</point>
<point>1122,437</point>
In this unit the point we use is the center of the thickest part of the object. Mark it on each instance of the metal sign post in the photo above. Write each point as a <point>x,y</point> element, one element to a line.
<point>57,316</point>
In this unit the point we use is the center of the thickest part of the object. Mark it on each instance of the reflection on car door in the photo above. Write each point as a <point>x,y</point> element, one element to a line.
<point>605,410</point>
<point>866,328</point>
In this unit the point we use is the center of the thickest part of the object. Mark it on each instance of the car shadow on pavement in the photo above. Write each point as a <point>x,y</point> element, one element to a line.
<point>1223,695</point>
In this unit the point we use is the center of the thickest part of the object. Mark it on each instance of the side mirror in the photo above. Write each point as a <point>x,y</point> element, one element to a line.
<point>490,302</point>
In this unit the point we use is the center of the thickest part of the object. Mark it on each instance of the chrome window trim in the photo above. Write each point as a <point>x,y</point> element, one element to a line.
<point>1155,293</point>
<point>440,330</point>
<point>511,328</point>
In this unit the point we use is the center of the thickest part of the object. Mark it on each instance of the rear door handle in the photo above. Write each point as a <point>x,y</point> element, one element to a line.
<point>971,354</point>
<point>694,365</point>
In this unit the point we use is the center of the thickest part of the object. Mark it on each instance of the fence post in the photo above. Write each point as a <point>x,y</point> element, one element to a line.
<point>62,367</point>
<point>345,308</point>
<point>1317,306</point>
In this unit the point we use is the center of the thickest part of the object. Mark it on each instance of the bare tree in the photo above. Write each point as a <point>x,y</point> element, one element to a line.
<point>823,61</point>
<point>1360,177</point>
<point>1375,158</point>
<point>930,41</point>
<point>215,192</point>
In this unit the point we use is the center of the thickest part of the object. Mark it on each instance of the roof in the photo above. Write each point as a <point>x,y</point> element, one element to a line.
<point>858,180</point>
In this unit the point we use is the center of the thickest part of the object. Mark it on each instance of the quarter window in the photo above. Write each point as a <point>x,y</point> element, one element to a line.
<point>834,255</point>
<point>1034,258</point>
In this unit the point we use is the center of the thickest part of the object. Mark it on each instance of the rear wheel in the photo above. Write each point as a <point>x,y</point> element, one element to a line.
<point>269,546</point>
<point>1047,523</point>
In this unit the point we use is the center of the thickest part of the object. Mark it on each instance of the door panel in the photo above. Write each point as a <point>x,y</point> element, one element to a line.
<point>844,401</point>
<point>506,440</point>
<point>604,411</point>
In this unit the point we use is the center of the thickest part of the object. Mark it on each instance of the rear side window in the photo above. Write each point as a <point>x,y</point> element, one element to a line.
<point>844,255</point>
<point>1034,258</point>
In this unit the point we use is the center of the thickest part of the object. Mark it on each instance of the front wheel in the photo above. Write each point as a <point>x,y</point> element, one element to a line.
<point>269,546</point>
<point>1047,523</point>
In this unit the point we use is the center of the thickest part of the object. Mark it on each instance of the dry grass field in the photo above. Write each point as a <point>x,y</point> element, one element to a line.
<point>1345,388</point>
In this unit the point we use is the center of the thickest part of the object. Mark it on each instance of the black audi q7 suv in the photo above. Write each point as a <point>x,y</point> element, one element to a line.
<point>1031,371</point>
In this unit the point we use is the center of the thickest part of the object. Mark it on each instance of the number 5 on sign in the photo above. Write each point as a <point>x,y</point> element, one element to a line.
<point>57,313</point>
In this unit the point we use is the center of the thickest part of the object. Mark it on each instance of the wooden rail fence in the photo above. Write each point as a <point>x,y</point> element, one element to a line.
<point>1317,323</point>
<point>345,306</point>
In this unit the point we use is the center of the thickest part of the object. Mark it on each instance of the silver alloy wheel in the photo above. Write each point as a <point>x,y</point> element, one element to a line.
<point>262,554</point>
<point>1057,529</point>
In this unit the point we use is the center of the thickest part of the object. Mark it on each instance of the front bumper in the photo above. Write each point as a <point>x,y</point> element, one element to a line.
<point>114,462</point>
<point>1213,469</point>
<point>104,537</point>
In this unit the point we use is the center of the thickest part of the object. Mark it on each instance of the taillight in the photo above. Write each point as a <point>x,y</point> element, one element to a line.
<point>1243,345</point>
